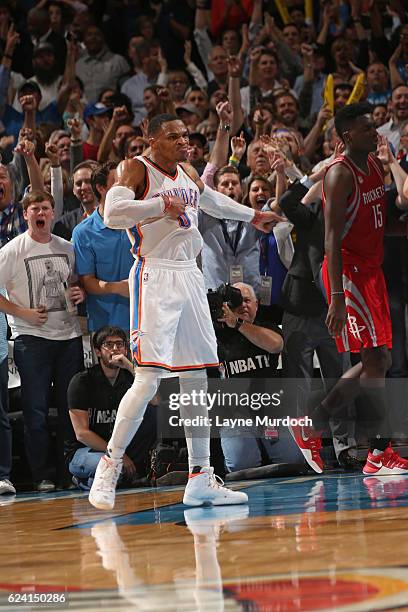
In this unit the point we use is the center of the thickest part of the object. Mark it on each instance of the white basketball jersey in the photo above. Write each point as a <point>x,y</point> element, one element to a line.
<point>165,238</point>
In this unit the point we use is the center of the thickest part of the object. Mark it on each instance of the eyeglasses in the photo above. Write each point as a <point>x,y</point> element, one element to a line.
<point>177,82</point>
<point>119,344</point>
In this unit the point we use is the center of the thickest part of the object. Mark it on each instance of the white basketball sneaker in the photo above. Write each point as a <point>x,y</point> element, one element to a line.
<point>204,489</point>
<point>7,487</point>
<point>109,543</point>
<point>210,521</point>
<point>102,493</point>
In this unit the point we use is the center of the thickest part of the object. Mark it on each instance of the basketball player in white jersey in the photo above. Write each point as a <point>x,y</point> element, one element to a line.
<point>157,199</point>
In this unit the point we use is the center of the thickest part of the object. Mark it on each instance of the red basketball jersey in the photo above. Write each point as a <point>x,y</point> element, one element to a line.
<point>363,236</point>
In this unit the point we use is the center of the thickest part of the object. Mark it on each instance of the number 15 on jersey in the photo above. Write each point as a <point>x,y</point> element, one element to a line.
<point>378,216</point>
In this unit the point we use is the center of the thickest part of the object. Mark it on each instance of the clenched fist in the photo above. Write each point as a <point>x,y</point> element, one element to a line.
<point>266,221</point>
<point>174,206</point>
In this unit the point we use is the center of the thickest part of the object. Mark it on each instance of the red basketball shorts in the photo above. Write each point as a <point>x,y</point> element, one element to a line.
<point>368,314</point>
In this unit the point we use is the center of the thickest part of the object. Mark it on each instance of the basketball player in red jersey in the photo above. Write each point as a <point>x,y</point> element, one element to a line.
<point>358,316</point>
<point>157,198</point>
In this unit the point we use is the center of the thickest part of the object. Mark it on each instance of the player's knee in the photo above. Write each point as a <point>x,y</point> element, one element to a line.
<point>193,381</point>
<point>144,385</point>
<point>384,359</point>
<point>388,361</point>
<point>193,374</point>
<point>376,362</point>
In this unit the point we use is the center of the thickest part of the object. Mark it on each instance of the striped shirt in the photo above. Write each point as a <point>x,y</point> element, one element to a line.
<point>12,223</point>
<point>3,332</point>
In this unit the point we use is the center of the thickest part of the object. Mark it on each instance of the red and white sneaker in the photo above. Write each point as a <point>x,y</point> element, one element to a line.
<point>388,463</point>
<point>394,459</point>
<point>309,443</point>
<point>392,487</point>
<point>373,465</point>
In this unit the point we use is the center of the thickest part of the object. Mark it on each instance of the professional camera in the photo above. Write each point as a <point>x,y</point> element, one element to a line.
<point>225,293</point>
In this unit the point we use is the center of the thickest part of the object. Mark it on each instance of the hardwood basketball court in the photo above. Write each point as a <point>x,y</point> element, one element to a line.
<point>306,543</point>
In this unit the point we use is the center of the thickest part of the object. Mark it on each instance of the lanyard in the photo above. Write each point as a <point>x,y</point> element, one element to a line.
<point>227,237</point>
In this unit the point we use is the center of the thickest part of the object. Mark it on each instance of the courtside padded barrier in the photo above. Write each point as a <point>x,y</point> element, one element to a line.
<point>269,471</point>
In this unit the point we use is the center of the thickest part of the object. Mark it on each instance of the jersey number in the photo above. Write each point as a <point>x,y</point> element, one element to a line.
<point>378,216</point>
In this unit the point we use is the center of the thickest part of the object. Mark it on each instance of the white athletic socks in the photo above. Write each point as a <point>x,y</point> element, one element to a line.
<point>133,405</point>
<point>197,437</point>
<point>131,410</point>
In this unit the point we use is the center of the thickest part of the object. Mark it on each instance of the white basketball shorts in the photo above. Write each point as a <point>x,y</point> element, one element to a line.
<point>170,322</point>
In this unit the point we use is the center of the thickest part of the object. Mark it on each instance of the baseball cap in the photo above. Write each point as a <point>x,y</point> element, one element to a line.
<point>91,110</point>
<point>189,108</point>
<point>43,47</point>
<point>29,87</point>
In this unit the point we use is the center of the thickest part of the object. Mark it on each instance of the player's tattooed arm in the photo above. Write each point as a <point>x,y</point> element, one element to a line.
<point>338,185</point>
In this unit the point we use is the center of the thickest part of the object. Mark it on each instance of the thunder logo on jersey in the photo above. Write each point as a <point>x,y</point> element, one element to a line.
<point>189,196</point>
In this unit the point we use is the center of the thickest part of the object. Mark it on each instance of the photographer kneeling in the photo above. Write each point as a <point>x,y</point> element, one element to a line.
<point>248,348</point>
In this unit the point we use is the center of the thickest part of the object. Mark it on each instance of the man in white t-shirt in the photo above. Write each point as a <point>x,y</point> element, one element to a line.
<point>47,337</point>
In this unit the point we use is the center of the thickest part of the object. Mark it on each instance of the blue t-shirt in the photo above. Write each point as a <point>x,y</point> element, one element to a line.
<point>382,97</point>
<point>104,253</point>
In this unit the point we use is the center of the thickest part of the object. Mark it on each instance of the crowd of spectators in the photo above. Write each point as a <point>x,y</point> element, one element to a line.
<point>257,84</point>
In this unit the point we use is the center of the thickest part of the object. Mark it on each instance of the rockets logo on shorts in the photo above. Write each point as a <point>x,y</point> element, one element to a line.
<point>354,328</point>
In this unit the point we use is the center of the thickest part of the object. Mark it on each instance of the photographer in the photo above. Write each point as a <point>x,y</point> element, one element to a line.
<point>249,348</point>
<point>93,400</point>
